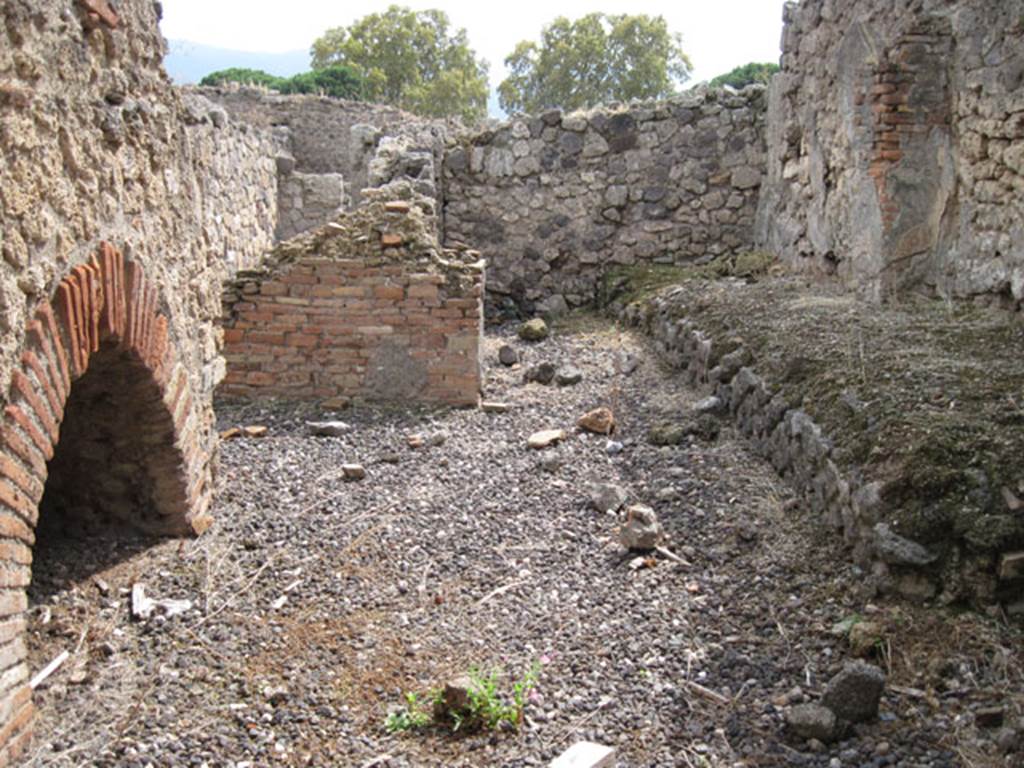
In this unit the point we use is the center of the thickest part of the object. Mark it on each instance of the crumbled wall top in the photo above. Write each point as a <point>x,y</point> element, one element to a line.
<point>394,224</point>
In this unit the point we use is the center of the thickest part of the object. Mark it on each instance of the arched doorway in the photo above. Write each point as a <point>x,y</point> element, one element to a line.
<point>99,429</point>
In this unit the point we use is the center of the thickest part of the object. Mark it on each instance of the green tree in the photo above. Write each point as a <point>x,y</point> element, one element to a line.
<point>243,76</point>
<point>411,60</point>
<point>746,75</point>
<point>337,80</point>
<point>597,58</point>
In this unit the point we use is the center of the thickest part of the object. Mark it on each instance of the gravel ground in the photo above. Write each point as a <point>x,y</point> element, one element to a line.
<point>317,603</point>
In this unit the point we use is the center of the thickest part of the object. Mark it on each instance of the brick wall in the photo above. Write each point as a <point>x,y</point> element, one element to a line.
<point>377,325</point>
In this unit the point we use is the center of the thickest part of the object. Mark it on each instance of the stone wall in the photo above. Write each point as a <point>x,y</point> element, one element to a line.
<point>120,208</point>
<point>322,135</point>
<point>237,176</point>
<point>554,200</point>
<point>307,200</point>
<point>367,308</point>
<point>894,134</point>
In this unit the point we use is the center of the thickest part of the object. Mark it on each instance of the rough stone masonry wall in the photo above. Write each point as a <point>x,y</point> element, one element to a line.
<point>366,308</point>
<point>322,136</point>
<point>116,215</point>
<point>896,146</point>
<point>557,199</point>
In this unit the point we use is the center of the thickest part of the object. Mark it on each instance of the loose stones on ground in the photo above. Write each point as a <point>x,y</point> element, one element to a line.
<point>534,330</point>
<point>812,721</point>
<point>507,355</point>
<point>600,421</point>
<point>545,438</point>
<point>327,428</point>
<point>641,530</point>
<point>353,471</point>
<point>568,376</point>
<point>853,694</point>
<point>542,373</point>
<point>607,497</point>
<point>585,754</point>
<point>492,406</point>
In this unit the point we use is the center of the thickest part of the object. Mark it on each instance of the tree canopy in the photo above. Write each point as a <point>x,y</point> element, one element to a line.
<point>595,59</point>
<point>336,80</point>
<point>411,60</point>
<point>243,76</point>
<point>740,77</point>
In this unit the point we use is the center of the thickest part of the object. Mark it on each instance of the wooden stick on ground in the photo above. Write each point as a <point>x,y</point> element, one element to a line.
<point>49,669</point>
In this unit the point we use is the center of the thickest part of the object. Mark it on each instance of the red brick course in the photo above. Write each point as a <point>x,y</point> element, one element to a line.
<point>312,329</point>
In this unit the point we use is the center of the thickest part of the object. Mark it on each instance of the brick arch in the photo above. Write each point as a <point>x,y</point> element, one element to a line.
<point>105,312</point>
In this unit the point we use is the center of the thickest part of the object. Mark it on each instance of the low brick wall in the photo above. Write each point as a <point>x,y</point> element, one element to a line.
<point>383,325</point>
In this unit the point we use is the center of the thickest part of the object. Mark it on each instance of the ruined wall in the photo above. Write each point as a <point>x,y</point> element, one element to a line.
<point>894,136</point>
<point>322,135</point>
<point>119,210</point>
<point>555,200</point>
<point>367,308</point>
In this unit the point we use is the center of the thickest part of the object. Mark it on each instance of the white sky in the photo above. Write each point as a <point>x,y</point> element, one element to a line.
<point>717,34</point>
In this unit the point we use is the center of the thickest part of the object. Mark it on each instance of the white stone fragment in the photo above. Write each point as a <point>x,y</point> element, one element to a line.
<point>585,754</point>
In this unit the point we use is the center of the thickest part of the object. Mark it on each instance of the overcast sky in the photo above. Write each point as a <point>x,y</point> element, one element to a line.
<point>717,34</point>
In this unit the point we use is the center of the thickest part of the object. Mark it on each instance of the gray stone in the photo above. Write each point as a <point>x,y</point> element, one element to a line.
<point>545,438</point>
<point>541,373</point>
<point>594,145</point>
<point>353,471</point>
<point>617,195</point>
<point>812,721</point>
<point>492,406</point>
<point>710,404</point>
<point>746,178</point>
<point>626,363</point>
<point>854,694</point>
<point>328,428</point>
<point>568,375</point>
<point>554,305</point>
<point>576,122</point>
<point>507,355</point>
<point>607,497</point>
<point>641,530</point>
<point>897,550</point>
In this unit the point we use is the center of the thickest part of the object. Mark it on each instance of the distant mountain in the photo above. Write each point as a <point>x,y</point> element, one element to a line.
<point>189,62</point>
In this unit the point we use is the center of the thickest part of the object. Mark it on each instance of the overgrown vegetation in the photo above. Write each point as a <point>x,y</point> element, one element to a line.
<point>626,284</point>
<point>745,75</point>
<point>486,706</point>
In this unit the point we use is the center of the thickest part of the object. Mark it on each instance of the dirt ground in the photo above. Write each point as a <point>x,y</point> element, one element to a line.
<point>316,604</point>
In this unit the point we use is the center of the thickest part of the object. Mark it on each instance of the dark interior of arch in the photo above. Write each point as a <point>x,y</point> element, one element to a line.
<point>115,467</point>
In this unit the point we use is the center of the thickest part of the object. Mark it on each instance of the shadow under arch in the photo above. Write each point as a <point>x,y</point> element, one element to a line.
<point>100,429</point>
